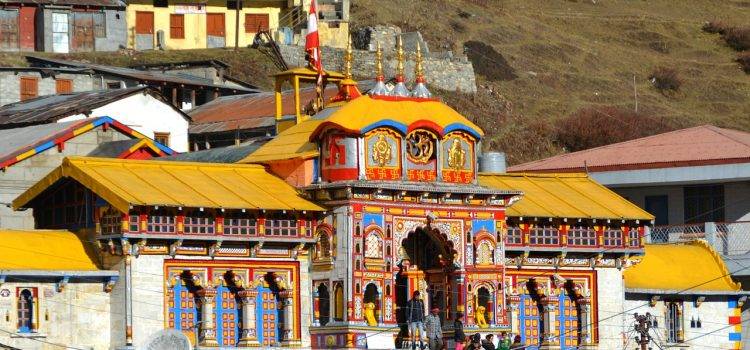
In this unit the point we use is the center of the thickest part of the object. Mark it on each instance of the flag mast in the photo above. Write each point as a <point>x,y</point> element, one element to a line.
<point>312,49</point>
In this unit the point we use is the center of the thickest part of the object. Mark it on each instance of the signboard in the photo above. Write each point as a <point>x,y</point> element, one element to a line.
<point>190,8</point>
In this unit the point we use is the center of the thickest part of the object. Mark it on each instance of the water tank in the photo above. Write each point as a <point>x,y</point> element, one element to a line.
<point>492,162</point>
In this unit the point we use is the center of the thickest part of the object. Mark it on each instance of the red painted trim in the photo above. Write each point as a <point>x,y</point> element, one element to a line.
<point>425,124</point>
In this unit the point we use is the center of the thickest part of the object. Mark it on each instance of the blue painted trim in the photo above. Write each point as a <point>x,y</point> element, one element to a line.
<point>462,127</point>
<point>735,336</point>
<point>732,303</point>
<point>45,146</point>
<point>401,127</point>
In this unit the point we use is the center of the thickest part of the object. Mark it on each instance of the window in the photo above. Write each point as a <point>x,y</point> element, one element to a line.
<point>255,22</point>
<point>162,137</point>
<point>635,237</point>
<point>373,246</point>
<point>281,227</point>
<point>238,225</point>
<point>215,24</point>
<point>134,222</point>
<point>514,235</point>
<point>110,222</point>
<point>199,224</point>
<point>612,237</point>
<point>674,322</point>
<point>176,26</point>
<point>161,3</point>
<point>160,223</point>
<point>114,85</point>
<point>581,236</point>
<point>63,86</point>
<point>704,203</point>
<point>658,206</point>
<point>25,310</point>
<point>546,235</point>
<point>29,88</point>
<point>100,25</point>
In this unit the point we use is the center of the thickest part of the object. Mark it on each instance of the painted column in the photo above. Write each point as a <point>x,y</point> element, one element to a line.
<point>128,300</point>
<point>288,337</point>
<point>513,305</point>
<point>249,335</point>
<point>548,333</point>
<point>207,326</point>
<point>316,308</point>
<point>585,337</point>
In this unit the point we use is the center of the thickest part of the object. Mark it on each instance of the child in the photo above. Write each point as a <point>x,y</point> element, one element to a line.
<point>458,331</point>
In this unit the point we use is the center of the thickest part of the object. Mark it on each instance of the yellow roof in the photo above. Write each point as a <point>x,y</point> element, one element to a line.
<point>124,183</point>
<point>563,196</point>
<point>309,72</point>
<point>366,113</point>
<point>44,250</point>
<point>289,144</point>
<point>684,267</point>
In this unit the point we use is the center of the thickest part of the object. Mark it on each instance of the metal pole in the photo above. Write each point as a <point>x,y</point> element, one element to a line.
<point>642,327</point>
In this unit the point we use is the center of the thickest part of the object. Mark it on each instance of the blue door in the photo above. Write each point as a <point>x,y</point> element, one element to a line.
<point>529,322</point>
<point>267,317</point>
<point>183,313</point>
<point>567,323</point>
<point>227,317</point>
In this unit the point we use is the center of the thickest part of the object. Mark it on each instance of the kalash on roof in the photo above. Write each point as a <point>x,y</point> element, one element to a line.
<point>388,134</point>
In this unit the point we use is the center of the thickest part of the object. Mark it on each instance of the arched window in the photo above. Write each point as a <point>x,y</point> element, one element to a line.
<point>338,313</point>
<point>323,247</point>
<point>485,252</point>
<point>373,245</point>
<point>324,298</point>
<point>25,311</point>
<point>674,322</point>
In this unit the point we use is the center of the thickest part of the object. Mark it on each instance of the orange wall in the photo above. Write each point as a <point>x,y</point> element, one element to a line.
<point>296,172</point>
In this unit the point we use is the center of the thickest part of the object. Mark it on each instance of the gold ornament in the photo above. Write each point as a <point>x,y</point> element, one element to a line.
<point>400,57</point>
<point>420,146</point>
<point>456,156</point>
<point>381,151</point>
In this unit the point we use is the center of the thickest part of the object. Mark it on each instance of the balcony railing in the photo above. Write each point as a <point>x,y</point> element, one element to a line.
<point>573,237</point>
<point>728,238</point>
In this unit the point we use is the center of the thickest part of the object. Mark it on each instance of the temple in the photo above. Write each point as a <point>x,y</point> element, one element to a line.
<point>320,237</point>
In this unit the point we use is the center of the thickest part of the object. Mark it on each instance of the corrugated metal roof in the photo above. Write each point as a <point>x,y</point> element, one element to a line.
<point>230,154</point>
<point>575,196</point>
<point>47,109</point>
<point>701,145</point>
<point>127,183</point>
<point>45,250</point>
<point>139,75</point>
<point>686,267</point>
<point>14,140</point>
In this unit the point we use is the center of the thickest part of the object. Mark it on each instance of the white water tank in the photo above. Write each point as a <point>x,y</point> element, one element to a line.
<point>492,162</point>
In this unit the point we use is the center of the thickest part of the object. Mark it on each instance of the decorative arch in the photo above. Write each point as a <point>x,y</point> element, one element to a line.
<point>485,245</point>
<point>374,243</point>
<point>446,246</point>
<point>323,242</point>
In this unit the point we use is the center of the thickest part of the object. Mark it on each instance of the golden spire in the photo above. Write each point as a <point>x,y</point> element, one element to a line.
<point>379,62</point>
<point>418,72</point>
<point>400,57</point>
<point>348,56</point>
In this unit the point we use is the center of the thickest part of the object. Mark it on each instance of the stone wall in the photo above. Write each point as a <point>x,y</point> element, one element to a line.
<point>10,84</point>
<point>20,176</point>
<point>611,308</point>
<point>77,316</point>
<point>452,74</point>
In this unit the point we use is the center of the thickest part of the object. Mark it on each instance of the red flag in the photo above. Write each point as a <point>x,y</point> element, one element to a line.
<point>312,41</point>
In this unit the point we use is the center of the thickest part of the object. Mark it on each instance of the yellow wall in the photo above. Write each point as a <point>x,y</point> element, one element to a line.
<point>195,24</point>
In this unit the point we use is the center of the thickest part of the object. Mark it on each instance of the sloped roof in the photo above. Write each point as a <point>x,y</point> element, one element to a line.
<point>563,196</point>
<point>127,183</point>
<point>50,108</point>
<point>291,143</point>
<point>700,145</point>
<point>365,113</point>
<point>229,154</point>
<point>686,267</point>
<point>45,250</point>
<point>21,143</point>
<point>118,149</point>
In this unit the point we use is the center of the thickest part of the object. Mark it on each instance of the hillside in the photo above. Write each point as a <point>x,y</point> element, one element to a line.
<point>539,61</point>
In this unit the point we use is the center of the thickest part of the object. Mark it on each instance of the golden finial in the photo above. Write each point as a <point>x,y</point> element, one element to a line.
<point>418,72</point>
<point>400,57</point>
<point>379,61</point>
<point>348,56</point>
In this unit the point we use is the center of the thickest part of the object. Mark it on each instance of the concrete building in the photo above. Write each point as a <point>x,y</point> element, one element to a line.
<point>29,153</point>
<point>23,83</point>
<point>63,26</point>
<point>140,108</point>
<point>49,279</point>
<point>694,303</point>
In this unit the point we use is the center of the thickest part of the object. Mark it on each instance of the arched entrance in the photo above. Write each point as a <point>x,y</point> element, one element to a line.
<point>427,261</point>
<point>324,298</point>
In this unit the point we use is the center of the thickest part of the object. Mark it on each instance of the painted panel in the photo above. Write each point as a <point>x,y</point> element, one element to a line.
<point>267,317</point>
<point>458,158</point>
<point>421,156</point>
<point>182,310</point>
<point>227,317</point>
<point>382,155</point>
<point>339,158</point>
<point>530,323</point>
<point>566,322</point>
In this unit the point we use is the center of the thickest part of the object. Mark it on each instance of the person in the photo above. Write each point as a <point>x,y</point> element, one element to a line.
<point>504,342</point>
<point>415,319</point>
<point>458,331</point>
<point>516,343</point>
<point>487,343</point>
<point>475,343</point>
<point>434,329</point>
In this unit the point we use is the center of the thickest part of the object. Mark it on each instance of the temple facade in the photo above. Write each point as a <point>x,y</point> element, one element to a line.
<point>320,237</point>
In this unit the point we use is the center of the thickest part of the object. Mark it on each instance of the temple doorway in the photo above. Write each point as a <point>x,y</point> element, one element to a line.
<point>425,267</point>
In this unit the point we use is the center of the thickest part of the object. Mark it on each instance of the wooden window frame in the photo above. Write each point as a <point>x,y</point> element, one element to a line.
<point>176,31</point>
<point>223,33</point>
<point>254,28</point>
<point>162,135</point>
<point>25,96</point>
<point>58,82</point>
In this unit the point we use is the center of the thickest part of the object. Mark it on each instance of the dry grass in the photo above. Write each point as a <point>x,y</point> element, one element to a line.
<point>568,56</point>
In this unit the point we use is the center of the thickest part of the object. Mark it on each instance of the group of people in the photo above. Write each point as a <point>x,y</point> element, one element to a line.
<point>430,325</point>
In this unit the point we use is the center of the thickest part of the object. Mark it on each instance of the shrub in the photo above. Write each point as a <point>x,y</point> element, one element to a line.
<point>598,126</point>
<point>738,38</point>
<point>665,79</point>
<point>744,60</point>
<point>715,27</point>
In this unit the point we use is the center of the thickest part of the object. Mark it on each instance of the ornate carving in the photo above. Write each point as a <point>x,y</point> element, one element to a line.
<point>456,156</point>
<point>381,151</point>
<point>420,146</point>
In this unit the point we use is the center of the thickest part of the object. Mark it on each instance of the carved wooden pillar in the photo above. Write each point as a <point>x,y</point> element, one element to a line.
<point>548,319</point>
<point>584,320</point>
<point>249,335</point>
<point>207,334</point>
<point>316,308</point>
<point>288,337</point>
